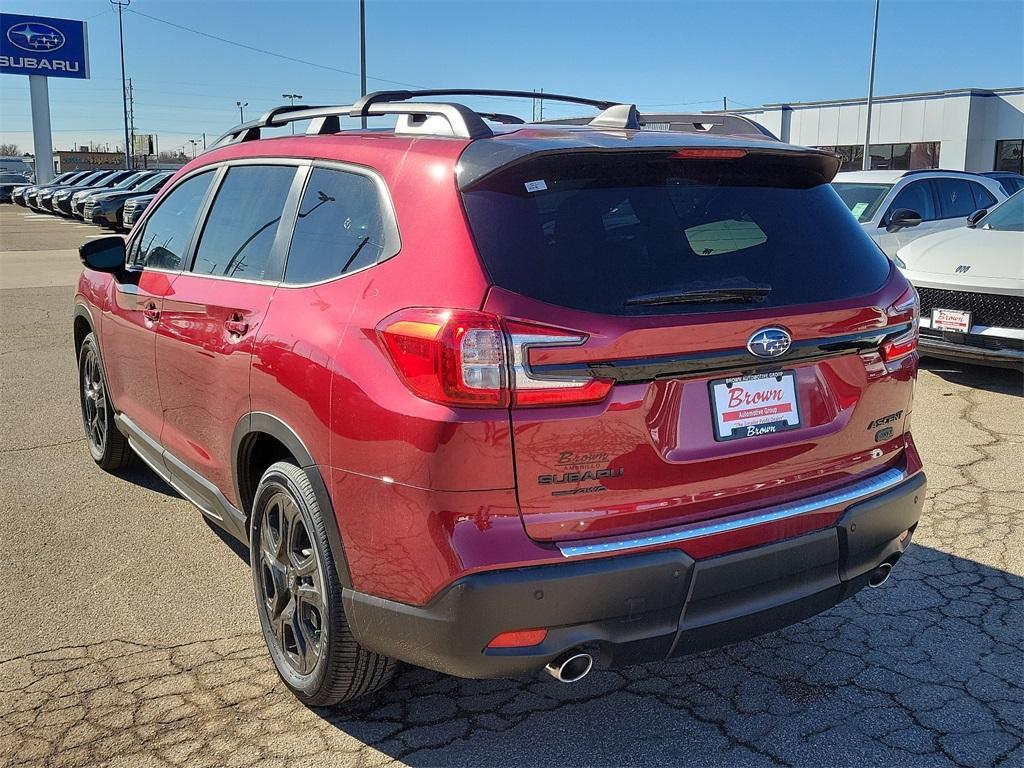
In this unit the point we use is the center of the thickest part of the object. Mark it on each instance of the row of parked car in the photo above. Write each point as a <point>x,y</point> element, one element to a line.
<point>959,238</point>
<point>110,197</point>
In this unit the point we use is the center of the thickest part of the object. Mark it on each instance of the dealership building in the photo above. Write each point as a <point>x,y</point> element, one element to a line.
<point>969,129</point>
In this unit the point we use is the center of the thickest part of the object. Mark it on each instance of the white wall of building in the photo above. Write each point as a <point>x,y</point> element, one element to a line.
<point>967,123</point>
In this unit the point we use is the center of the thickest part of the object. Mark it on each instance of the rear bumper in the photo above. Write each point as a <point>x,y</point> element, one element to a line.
<point>636,608</point>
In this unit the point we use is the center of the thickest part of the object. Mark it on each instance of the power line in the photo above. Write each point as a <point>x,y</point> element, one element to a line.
<point>264,51</point>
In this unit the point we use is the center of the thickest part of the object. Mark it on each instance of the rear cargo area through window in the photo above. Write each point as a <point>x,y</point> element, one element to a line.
<point>612,232</point>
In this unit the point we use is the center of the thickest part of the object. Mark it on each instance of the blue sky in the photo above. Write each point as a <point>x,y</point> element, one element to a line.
<point>661,55</point>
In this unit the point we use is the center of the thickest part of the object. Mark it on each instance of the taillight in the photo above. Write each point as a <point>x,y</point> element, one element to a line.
<point>448,356</point>
<point>906,309</point>
<point>466,358</point>
<point>529,389</point>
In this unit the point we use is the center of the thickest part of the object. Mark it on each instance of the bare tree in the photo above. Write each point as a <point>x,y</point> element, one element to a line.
<point>9,149</point>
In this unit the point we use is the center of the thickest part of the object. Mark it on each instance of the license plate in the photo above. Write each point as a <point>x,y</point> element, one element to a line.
<point>754,405</point>
<point>951,320</point>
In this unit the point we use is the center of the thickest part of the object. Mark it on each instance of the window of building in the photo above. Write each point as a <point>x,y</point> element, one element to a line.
<point>163,242</point>
<point>238,238</point>
<point>1010,156</point>
<point>342,226</point>
<point>893,157</point>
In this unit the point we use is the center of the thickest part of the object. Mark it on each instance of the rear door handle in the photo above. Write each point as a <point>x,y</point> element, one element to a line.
<point>150,311</point>
<point>236,325</point>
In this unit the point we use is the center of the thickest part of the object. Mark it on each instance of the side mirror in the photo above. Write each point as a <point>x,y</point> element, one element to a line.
<point>902,218</point>
<point>974,218</point>
<point>105,254</point>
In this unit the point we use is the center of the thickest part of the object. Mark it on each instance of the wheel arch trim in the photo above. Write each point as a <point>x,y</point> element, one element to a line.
<point>255,423</point>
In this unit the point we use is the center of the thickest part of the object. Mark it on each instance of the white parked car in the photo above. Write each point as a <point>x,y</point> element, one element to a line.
<point>897,207</point>
<point>971,284</point>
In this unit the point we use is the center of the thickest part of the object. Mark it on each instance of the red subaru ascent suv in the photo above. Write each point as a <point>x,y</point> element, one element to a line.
<point>491,397</point>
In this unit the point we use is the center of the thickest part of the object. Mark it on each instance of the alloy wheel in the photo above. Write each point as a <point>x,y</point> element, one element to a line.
<point>291,583</point>
<point>94,402</point>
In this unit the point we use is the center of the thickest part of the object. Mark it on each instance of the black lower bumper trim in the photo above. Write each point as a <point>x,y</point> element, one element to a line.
<point>641,607</point>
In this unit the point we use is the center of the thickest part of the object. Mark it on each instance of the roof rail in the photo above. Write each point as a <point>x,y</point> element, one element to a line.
<point>463,122</point>
<point>378,96</point>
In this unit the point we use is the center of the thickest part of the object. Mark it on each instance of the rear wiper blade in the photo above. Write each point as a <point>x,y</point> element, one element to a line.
<point>702,296</point>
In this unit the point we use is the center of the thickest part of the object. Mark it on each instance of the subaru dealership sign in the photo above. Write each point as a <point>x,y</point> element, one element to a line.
<point>38,45</point>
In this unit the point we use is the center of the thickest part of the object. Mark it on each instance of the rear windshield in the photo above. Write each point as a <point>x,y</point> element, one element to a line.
<point>613,233</point>
<point>862,199</point>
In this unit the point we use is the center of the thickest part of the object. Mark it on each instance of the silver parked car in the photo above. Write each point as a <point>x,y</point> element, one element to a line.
<point>897,207</point>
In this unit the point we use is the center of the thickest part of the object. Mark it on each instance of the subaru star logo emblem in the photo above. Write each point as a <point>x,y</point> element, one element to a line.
<point>769,342</point>
<point>34,36</point>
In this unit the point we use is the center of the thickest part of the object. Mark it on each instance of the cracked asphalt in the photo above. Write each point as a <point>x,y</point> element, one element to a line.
<point>129,639</point>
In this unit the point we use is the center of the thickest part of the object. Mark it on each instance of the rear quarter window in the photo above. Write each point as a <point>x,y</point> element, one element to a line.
<point>603,228</point>
<point>343,224</point>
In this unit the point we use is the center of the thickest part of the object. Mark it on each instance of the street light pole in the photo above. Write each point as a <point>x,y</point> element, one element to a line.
<point>362,52</point>
<point>241,110</point>
<point>194,142</point>
<point>866,165</point>
<point>291,98</point>
<point>121,5</point>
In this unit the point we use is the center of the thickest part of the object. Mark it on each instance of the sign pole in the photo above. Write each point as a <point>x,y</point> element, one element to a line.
<point>39,90</point>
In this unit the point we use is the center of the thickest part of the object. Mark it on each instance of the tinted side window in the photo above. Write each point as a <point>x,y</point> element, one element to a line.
<point>917,196</point>
<point>168,230</point>
<point>955,198</point>
<point>342,226</point>
<point>982,197</point>
<point>239,233</point>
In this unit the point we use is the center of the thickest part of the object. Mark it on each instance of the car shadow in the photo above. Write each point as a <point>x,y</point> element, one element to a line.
<point>925,668</point>
<point>138,473</point>
<point>144,477</point>
<point>1006,381</point>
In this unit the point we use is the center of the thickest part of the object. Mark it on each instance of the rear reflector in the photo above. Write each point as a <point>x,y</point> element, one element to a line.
<point>520,638</point>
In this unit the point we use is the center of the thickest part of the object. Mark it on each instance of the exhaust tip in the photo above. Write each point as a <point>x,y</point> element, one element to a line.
<point>880,575</point>
<point>570,667</point>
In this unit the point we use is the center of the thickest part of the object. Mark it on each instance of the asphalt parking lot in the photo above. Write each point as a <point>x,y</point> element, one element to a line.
<point>129,637</point>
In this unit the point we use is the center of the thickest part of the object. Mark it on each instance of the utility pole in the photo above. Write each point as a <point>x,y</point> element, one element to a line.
<point>131,119</point>
<point>291,98</point>
<point>725,103</point>
<point>541,107</point>
<point>871,92</point>
<point>121,5</point>
<point>362,53</point>
<point>241,110</point>
<point>204,141</point>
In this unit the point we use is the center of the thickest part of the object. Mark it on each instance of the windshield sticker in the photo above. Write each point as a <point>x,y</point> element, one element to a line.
<point>858,209</point>
<point>536,186</point>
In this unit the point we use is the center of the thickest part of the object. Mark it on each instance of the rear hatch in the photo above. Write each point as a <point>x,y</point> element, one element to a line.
<point>719,333</point>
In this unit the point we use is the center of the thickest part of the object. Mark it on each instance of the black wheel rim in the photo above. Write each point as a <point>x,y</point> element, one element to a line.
<point>291,584</point>
<point>94,402</point>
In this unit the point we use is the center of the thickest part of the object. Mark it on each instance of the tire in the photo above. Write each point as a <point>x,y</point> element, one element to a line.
<point>303,622</point>
<point>109,448</point>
